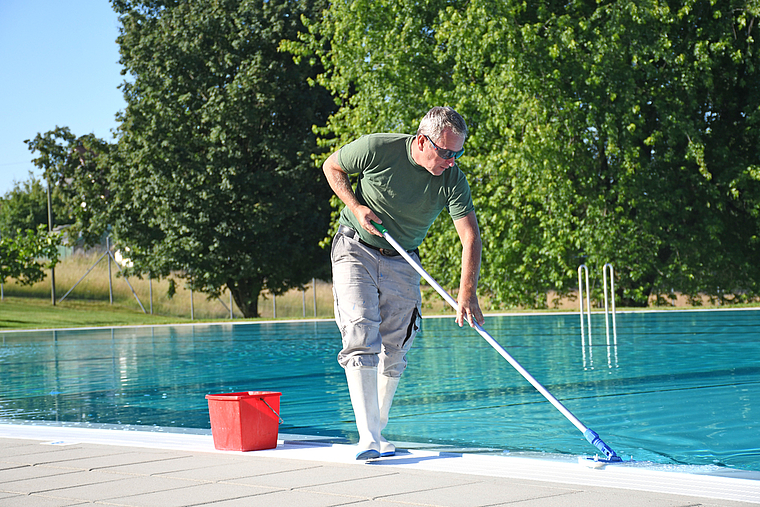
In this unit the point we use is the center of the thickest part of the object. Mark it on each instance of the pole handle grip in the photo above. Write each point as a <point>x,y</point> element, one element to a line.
<point>379,227</point>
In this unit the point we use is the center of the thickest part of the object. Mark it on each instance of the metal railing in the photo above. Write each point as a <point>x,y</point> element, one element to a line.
<point>606,309</point>
<point>586,328</point>
<point>583,268</point>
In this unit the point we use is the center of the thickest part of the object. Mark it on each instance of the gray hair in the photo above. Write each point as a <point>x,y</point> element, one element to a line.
<point>439,119</point>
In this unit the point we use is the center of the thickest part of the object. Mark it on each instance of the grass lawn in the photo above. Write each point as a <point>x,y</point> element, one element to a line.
<point>36,313</point>
<point>88,287</point>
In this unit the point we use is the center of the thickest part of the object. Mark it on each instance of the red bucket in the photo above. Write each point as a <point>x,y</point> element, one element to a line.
<point>244,421</point>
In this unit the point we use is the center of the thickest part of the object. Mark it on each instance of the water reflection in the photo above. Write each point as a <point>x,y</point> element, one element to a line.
<point>587,351</point>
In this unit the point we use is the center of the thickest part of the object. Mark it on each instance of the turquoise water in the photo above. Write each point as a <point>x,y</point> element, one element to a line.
<point>679,387</point>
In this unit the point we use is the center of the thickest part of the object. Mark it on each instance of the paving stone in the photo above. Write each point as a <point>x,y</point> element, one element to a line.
<point>45,483</point>
<point>198,494</point>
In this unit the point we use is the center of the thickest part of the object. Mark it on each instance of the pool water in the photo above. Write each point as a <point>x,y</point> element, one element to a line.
<point>680,387</point>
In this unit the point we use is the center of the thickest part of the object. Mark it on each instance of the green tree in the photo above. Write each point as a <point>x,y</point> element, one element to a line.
<point>620,132</point>
<point>25,207</point>
<point>26,256</point>
<point>78,169</point>
<point>380,63</point>
<point>621,139</point>
<point>212,176</point>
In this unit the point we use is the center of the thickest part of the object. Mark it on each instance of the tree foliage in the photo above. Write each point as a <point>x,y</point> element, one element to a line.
<point>26,246</point>
<point>26,256</point>
<point>25,207</point>
<point>212,175</point>
<point>78,170</point>
<point>622,132</point>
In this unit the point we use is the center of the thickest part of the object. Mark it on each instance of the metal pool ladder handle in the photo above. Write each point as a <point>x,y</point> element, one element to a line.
<point>583,269</point>
<point>612,291</point>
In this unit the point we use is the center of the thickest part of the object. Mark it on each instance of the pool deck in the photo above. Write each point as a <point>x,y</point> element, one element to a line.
<point>50,466</point>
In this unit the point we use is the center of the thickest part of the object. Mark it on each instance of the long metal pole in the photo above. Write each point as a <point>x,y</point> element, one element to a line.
<point>110,281</point>
<point>590,435</point>
<point>50,229</point>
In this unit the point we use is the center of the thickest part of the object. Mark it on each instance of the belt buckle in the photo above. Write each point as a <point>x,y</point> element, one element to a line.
<point>388,253</point>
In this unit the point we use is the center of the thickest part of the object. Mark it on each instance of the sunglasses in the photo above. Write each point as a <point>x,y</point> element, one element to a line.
<point>445,154</point>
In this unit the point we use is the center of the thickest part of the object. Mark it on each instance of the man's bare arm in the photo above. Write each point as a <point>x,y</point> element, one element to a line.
<point>472,247</point>
<point>341,185</point>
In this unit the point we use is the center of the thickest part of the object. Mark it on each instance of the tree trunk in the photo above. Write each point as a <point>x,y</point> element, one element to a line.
<point>246,296</point>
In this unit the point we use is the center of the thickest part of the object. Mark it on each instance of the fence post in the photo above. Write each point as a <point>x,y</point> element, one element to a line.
<point>110,282</point>
<point>192,306</point>
<point>50,229</point>
<point>314,285</point>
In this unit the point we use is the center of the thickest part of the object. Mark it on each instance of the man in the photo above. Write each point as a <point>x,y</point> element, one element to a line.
<point>404,183</point>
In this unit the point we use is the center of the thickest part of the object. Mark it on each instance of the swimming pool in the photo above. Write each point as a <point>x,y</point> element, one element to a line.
<point>679,388</point>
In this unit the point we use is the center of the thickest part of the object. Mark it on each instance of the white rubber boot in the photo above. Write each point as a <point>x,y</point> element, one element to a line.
<point>386,388</point>
<point>362,386</point>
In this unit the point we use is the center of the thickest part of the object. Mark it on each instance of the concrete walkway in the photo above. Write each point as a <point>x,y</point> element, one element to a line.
<point>51,466</point>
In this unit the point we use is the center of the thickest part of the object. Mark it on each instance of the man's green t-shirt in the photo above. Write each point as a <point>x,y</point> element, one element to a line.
<point>405,196</point>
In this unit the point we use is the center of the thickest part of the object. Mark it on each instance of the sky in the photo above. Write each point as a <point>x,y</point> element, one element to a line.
<point>58,67</point>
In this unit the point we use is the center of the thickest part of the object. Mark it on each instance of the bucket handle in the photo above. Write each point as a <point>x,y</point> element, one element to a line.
<point>270,408</point>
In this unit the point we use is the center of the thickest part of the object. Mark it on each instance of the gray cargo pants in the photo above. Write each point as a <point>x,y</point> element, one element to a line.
<point>377,305</point>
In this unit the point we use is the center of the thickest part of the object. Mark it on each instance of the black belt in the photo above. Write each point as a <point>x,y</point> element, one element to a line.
<point>350,233</point>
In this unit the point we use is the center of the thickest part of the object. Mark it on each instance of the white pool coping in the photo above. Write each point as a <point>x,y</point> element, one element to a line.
<point>727,485</point>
